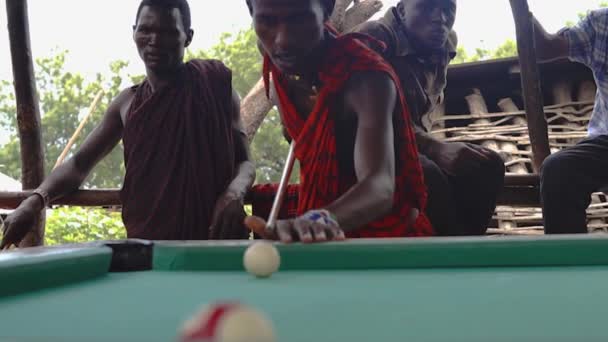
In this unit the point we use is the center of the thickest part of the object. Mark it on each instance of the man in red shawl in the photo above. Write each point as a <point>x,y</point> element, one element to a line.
<point>186,158</point>
<point>343,106</point>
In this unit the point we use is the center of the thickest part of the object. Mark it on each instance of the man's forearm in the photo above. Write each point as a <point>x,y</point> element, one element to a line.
<point>426,143</point>
<point>548,46</point>
<point>365,202</point>
<point>65,179</point>
<point>243,180</point>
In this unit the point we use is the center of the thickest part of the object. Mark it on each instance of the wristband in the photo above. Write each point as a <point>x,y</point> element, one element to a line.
<point>43,195</point>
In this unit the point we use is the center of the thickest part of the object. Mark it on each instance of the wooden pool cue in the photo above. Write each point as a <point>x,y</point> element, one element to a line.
<point>79,129</point>
<point>2,229</point>
<point>276,205</point>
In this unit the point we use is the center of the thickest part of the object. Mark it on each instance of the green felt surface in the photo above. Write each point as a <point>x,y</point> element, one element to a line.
<point>469,304</point>
<point>508,289</point>
<point>34,269</point>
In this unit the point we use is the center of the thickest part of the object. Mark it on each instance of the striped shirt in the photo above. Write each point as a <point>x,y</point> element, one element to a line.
<point>588,43</point>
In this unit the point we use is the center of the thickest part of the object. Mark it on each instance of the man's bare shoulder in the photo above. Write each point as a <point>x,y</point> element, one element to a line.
<point>125,95</point>
<point>367,79</point>
<point>371,85</point>
<point>121,103</point>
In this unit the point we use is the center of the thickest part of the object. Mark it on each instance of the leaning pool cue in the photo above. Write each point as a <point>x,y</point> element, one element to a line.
<point>276,205</point>
<point>2,230</point>
<point>92,108</point>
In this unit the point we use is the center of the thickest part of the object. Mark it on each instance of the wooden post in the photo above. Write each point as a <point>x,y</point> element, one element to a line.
<point>28,112</point>
<point>533,95</point>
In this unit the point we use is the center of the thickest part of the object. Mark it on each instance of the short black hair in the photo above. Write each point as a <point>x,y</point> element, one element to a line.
<point>328,6</point>
<point>181,5</point>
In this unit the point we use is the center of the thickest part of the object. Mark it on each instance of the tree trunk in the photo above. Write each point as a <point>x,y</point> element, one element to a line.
<point>345,18</point>
<point>254,108</point>
<point>255,105</point>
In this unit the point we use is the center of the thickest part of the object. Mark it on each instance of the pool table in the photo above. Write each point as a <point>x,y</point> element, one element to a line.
<point>431,289</point>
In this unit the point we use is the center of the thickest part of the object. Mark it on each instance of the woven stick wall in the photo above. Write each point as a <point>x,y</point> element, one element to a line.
<point>506,132</point>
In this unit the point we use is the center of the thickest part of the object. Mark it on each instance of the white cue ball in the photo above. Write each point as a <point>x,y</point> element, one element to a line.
<point>262,259</point>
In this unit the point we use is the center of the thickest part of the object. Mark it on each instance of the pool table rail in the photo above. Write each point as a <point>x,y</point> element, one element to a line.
<point>45,267</point>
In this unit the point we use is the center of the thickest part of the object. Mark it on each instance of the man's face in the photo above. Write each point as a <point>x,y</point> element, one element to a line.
<point>160,38</point>
<point>429,22</point>
<point>289,31</point>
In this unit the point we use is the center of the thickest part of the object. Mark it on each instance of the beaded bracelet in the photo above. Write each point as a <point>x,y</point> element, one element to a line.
<point>322,216</point>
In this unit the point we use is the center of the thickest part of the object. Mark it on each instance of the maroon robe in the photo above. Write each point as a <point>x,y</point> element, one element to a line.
<point>179,153</point>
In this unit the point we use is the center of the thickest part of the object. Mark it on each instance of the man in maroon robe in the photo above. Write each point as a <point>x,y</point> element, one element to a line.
<point>186,157</point>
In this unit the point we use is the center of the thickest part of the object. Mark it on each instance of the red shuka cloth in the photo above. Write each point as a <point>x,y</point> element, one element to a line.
<point>262,197</point>
<point>320,181</point>
<point>179,153</point>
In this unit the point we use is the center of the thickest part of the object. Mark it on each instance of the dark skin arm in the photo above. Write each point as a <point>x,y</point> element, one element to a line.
<point>454,158</point>
<point>549,46</point>
<point>229,210</point>
<point>372,97</point>
<point>70,175</point>
<point>425,141</point>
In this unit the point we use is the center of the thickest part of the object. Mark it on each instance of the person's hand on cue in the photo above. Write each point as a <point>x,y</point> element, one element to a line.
<point>312,227</point>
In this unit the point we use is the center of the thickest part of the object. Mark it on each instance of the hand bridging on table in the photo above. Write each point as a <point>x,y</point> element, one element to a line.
<point>312,227</point>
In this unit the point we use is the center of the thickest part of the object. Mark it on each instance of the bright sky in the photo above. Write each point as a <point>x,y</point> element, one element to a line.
<point>98,32</point>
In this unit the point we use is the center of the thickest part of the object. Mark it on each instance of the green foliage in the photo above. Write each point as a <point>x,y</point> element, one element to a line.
<point>507,49</point>
<point>64,100</point>
<point>74,224</point>
<point>463,57</point>
<point>269,150</point>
